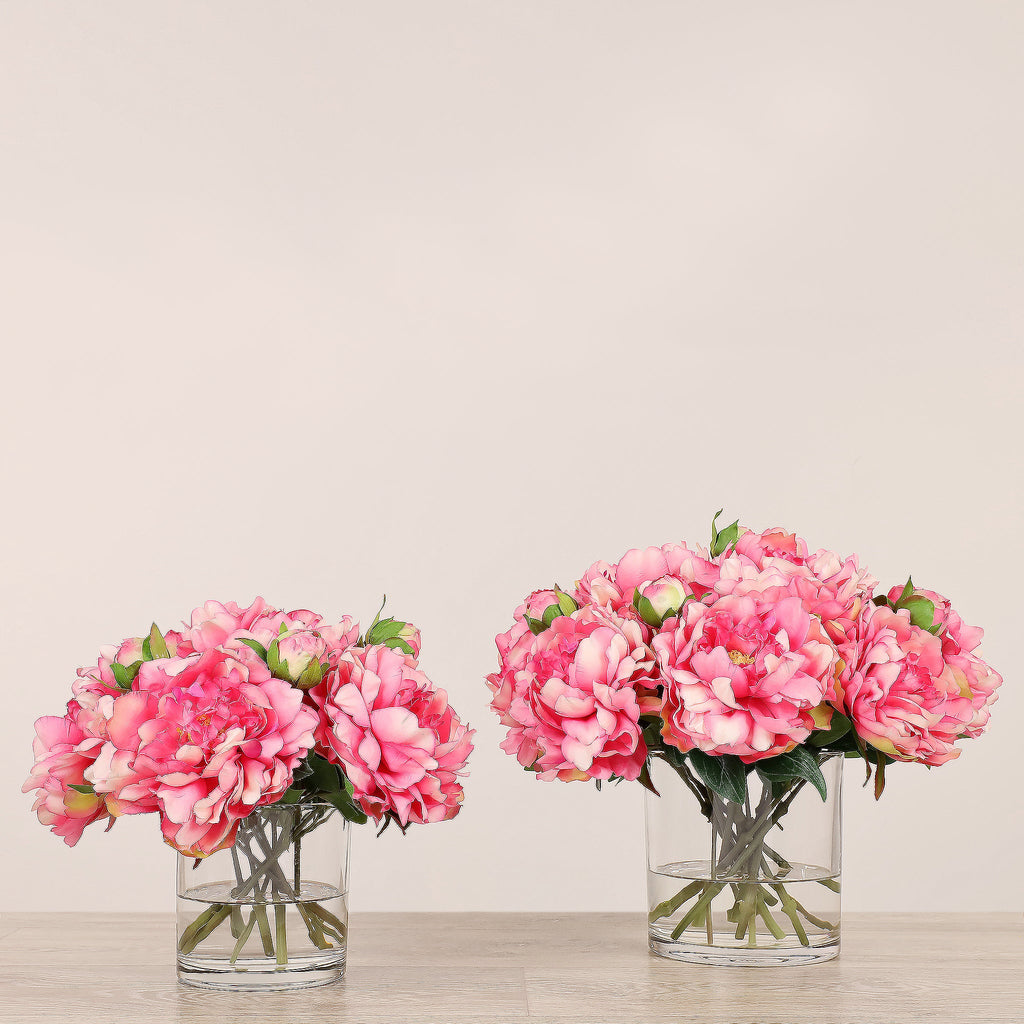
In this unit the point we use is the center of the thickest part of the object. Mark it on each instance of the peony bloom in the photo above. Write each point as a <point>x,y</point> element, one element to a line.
<point>773,565</point>
<point>744,677</point>
<point>575,704</point>
<point>99,679</point>
<point>224,625</point>
<point>394,735</point>
<point>912,694</point>
<point>339,637</point>
<point>514,646</point>
<point>208,737</point>
<point>959,645</point>
<point>63,752</point>
<point>771,543</point>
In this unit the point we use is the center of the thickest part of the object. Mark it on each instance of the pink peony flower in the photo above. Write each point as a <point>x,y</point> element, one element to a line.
<point>912,694</point>
<point>339,637</point>
<point>774,564</point>
<point>208,737</point>
<point>99,679</point>
<point>771,543</point>
<point>574,706</point>
<point>395,736</point>
<point>63,752</point>
<point>221,625</point>
<point>744,677</point>
<point>514,646</point>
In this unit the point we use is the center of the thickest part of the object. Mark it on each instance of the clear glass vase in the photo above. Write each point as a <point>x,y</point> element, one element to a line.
<point>751,884</point>
<point>271,912</point>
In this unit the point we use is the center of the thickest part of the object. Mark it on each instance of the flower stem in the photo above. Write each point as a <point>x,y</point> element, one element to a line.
<point>281,920</point>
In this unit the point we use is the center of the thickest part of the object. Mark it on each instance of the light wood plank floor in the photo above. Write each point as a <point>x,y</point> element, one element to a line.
<point>500,968</point>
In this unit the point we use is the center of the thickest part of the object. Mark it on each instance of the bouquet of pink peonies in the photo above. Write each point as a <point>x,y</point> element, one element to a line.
<point>753,661</point>
<point>245,708</point>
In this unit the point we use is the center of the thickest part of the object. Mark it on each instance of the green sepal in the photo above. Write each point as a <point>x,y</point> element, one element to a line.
<point>922,611</point>
<point>723,774</point>
<point>85,788</point>
<point>383,630</point>
<point>536,625</point>
<point>123,675</point>
<point>396,643</point>
<point>310,676</point>
<point>157,643</point>
<point>646,610</point>
<point>274,660</point>
<point>565,602</point>
<point>722,539</point>
<point>254,645</point>
<point>798,763</point>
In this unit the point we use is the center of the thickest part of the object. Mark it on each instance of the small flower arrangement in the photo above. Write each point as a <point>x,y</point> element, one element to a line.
<point>752,656</point>
<point>244,708</point>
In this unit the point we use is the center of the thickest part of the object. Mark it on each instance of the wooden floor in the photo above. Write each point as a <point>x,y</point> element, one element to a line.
<point>498,968</point>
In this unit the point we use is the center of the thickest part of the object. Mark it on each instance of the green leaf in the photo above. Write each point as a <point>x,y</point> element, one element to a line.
<point>798,763</point>
<point>908,589</point>
<point>347,806</point>
<point>157,643</point>
<point>254,645</point>
<point>645,778</point>
<point>147,650</point>
<point>536,626</point>
<point>724,774</point>
<point>922,611</point>
<point>565,602</point>
<point>880,762</point>
<point>838,728</point>
<point>722,539</point>
<point>86,789</point>
<point>323,776</point>
<point>292,795</point>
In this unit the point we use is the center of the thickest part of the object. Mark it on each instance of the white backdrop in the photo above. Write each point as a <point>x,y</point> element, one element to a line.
<point>447,300</point>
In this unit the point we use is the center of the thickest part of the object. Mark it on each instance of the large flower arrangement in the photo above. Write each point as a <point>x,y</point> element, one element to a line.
<point>754,655</point>
<point>247,707</point>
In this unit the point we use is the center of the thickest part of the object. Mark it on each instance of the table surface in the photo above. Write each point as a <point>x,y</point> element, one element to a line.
<point>500,968</point>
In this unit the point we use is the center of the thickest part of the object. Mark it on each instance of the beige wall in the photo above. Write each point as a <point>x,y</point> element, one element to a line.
<point>320,300</point>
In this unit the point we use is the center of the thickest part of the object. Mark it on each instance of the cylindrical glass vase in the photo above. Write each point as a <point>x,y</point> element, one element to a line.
<point>270,912</point>
<point>753,884</point>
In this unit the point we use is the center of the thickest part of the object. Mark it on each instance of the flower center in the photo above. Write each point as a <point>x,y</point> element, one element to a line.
<point>738,658</point>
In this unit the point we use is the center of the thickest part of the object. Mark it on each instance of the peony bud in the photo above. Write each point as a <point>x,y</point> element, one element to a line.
<point>399,636</point>
<point>298,656</point>
<point>660,600</point>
